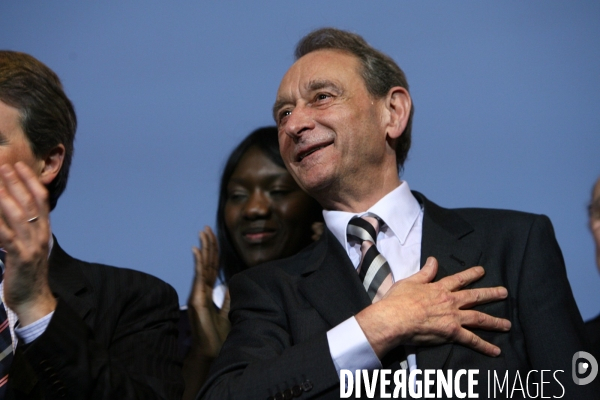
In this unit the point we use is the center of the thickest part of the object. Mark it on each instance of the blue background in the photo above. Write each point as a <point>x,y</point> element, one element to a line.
<point>507,99</point>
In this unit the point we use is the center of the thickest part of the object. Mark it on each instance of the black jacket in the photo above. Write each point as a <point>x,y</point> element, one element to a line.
<point>281,311</point>
<point>113,335</point>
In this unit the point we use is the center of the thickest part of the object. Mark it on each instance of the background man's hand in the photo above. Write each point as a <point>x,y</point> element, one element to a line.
<point>417,311</point>
<point>23,197</point>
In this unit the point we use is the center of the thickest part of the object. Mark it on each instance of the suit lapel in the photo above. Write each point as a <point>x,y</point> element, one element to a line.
<point>330,271</point>
<point>445,237</point>
<point>68,282</point>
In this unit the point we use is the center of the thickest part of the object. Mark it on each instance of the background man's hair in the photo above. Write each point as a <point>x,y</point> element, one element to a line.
<point>379,72</point>
<point>47,115</point>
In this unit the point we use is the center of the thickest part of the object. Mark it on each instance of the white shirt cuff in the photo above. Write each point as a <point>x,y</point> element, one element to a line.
<point>34,330</point>
<point>350,348</point>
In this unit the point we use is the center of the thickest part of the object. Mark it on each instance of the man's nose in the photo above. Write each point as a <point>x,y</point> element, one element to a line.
<point>258,205</point>
<point>300,120</point>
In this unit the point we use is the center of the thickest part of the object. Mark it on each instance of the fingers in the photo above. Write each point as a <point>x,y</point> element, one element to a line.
<point>226,305</point>
<point>206,258</point>
<point>200,291</point>
<point>462,279</point>
<point>479,320</point>
<point>213,257</point>
<point>204,248</point>
<point>201,254</point>
<point>469,339</point>
<point>22,197</point>
<point>471,297</point>
<point>39,192</point>
<point>20,193</point>
<point>210,254</point>
<point>197,261</point>
<point>317,230</point>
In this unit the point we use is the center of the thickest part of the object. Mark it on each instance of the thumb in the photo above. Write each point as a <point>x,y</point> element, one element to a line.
<point>428,272</point>
<point>226,305</point>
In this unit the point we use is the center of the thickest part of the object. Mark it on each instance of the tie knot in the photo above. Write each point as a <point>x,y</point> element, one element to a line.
<point>364,228</point>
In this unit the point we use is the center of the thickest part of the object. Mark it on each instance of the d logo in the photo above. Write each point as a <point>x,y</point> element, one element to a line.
<point>581,367</point>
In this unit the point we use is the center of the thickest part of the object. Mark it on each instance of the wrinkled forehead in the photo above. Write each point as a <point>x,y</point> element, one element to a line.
<point>316,68</point>
<point>325,63</point>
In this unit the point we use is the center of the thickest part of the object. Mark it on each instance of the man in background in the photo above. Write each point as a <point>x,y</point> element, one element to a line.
<point>68,329</point>
<point>593,326</point>
<point>391,282</point>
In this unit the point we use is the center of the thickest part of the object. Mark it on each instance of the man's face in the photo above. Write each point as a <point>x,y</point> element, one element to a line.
<point>595,220</point>
<point>14,145</point>
<point>331,133</point>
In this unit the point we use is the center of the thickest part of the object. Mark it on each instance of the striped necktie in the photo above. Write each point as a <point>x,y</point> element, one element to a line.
<point>6,348</point>
<point>374,270</point>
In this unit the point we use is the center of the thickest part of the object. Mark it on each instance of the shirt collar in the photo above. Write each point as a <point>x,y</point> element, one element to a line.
<point>399,210</point>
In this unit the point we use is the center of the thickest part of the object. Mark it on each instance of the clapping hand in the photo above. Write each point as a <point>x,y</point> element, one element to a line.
<point>24,235</point>
<point>210,325</point>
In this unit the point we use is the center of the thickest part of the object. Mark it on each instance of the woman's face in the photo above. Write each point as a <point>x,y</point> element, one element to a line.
<point>266,214</point>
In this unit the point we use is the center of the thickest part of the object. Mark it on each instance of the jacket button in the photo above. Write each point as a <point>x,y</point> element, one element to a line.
<point>287,394</point>
<point>307,385</point>
<point>279,396</point>
<point>296,391</point>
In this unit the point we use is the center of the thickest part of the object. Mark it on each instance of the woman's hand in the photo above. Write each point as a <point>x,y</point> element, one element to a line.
<point>210,325</point>
<point>317,230</point>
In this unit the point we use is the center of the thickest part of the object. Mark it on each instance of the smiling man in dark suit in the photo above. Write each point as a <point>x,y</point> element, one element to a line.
<point>68,329</point>
<point>396,281</point>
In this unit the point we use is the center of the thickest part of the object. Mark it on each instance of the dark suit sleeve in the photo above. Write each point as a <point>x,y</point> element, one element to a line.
<point>548,313</point>
<point>130,353</point>
<point>260,359</point>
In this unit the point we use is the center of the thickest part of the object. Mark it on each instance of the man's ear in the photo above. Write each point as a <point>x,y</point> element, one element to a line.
<point>52,164</point>
<point>398,104</point>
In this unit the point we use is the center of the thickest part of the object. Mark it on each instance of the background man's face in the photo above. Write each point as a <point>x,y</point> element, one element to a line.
<point>14,145</point>
<point>331,134</point>
<point>595,220</point>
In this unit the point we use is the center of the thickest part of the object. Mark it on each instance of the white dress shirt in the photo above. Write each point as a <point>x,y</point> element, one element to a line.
<point>219,290</point>
<point>399,241</point>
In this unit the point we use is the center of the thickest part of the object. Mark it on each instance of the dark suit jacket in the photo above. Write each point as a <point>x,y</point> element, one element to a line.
<point>113,336</point>
<point>592,329</point>
<point>281,311</point>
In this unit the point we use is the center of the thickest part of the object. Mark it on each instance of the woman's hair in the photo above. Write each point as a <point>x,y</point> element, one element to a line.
<point>264,139</point>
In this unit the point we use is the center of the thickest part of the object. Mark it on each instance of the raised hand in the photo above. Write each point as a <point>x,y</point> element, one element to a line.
<point>210,325</point>
<point>24,235</point>
<point>417,311</point>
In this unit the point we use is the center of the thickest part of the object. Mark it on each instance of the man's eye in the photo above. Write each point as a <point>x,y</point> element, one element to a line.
<point>283,114</point>
<point>323,96</point>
